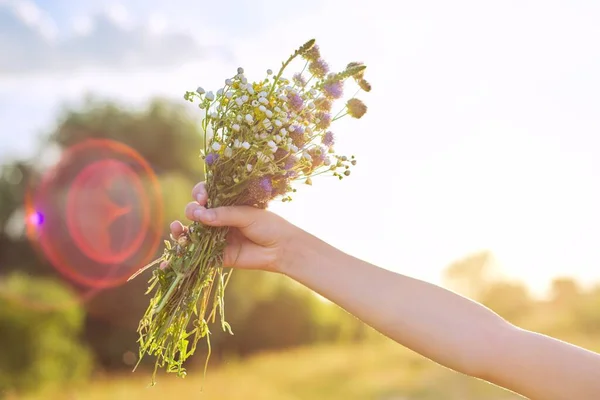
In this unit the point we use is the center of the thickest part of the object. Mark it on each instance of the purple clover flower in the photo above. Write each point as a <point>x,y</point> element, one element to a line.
<point>334,89</point>
<point>266,184</point>
<point>295,101</point>
<point>324,120</point>
<point>299,80</point>
<point>211,158</point>
<point>318,68</point>
<point>328,139</point>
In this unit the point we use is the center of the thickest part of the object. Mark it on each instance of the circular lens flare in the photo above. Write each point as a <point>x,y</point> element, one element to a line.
<point>97,215</point>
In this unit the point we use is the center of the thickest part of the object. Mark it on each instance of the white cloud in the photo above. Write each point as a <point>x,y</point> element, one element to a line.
<point>106,40</point>
<point>83,25</point>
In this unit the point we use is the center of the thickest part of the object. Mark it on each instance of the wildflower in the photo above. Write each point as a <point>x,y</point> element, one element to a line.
<point>298,138</point>
<point>216,146</point>
<point>210,96</point>
<point>358,75</point>
<point>313,54</point>
<point>211,158</point>
<point>328,139</point>
<point>295,101</point>
<point>334,89</point>
<point>323,104</point>
<point>200,91</point>
<point>318,68</point>
<point>364,85</point>
<point>299,80</point>
<point>356,108</point>
<point>324,120</point>
<point>228,152</point>
<point>235,127</point>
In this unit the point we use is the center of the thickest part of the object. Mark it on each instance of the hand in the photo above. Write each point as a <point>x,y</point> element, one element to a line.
<point>257,238</point>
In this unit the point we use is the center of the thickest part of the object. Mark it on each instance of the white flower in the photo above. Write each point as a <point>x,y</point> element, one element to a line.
<point>229,95</point>
<point>216,146</point>
<point>327,161</point>
<point>237,144</point>
<point>214,115</point>
<point>262,94</point>
<point>293,148</point>
<point>246,145</point>
<point>267,123</point>
<point>249,167</point>
<point>269,113</point>
<point>220,92</point>
<point>263,135</point>
<point>278,123</point>
<point>307,156</point>
<point>249,118</point>
<point>244,80</point>
<point>228,82</point>
<point>283,132</point>
<point>311,105</point>
<point>200,90</point>
<point>269,72</point>
<point>239,101</point>
<point>277,109</point>
<point>262,108</point>
<point>210,96</point>
<point>235,127</point>
<point>277,138</point>
<point>245,98</point>
<point>240,70</point>
<point>238,118</point>
<point>263,100</point>
<point>250,89</point>
<point>254,103</point>
<point>271,143</point>
<point>292,128</point>
<point>228,152</point>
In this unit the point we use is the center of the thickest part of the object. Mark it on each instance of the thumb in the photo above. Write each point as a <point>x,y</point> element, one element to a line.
<point>234,216</point>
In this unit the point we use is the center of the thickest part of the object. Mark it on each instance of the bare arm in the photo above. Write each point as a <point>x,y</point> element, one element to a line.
<point>436,323</point>
<point>445,327</point>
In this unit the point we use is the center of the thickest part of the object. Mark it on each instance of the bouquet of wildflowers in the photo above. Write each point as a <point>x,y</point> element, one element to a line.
<point>260,137</point>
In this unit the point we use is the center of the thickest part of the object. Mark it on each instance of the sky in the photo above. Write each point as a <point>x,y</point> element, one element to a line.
<point>482,129</point>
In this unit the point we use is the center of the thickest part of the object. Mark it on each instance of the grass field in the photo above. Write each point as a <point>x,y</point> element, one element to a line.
<point>377,371</point>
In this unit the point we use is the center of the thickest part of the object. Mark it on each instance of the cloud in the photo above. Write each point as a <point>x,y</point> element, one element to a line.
<point>30,43</point>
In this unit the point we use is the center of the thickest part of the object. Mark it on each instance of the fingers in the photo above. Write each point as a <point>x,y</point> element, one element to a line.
<point>193,211</point>
<point>199,193</point>
<point>177,229</point>
<point>237,216</point>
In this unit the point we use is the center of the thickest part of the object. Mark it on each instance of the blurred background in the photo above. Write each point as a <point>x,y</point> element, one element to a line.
<point>478,167</point>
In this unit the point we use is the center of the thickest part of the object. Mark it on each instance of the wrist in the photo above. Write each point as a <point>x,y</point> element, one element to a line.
<point>300,252</point>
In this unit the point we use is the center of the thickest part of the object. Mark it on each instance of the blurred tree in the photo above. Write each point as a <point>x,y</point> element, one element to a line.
<point>40,326</point>
<point>471,275</point>
<point>565,291</point>
<point>511,300</point>
<point>165,133</point>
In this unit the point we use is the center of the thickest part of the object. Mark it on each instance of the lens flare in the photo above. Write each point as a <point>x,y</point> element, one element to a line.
<point>97,215</point>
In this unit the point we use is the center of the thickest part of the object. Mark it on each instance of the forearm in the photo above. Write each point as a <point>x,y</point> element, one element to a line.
<point>441,325</point>
<point>541,367</point>
<point>444,326</point>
